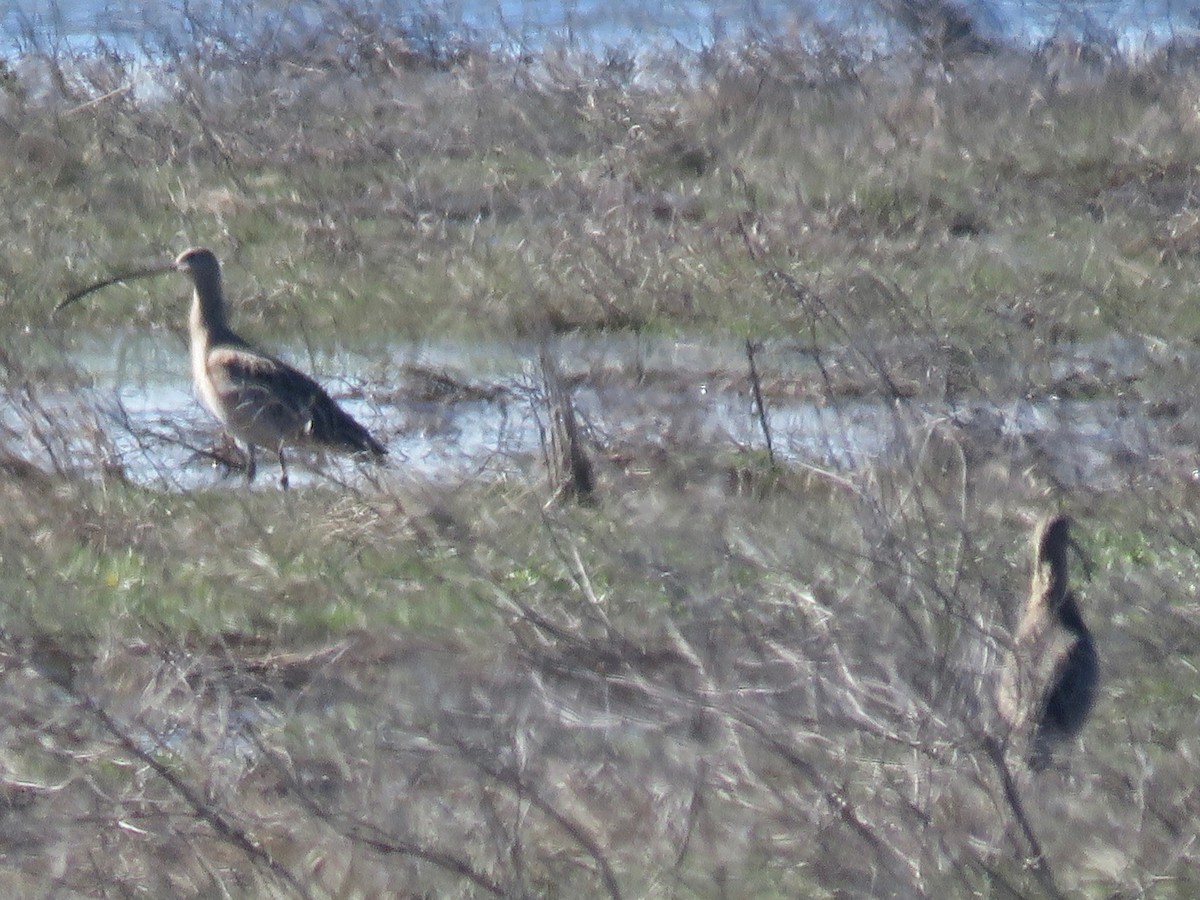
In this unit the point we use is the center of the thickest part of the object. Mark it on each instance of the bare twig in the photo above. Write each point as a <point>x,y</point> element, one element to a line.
<point>568,458</point>
<point>573,829</point>
<point>225,828</point>
<point>756,385</point>
<point>897,863</point>
<point>370,835</point>
<point>1038,861</point>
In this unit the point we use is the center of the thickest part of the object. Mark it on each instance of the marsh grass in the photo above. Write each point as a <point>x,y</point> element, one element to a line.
<point>496,192</point>
<point>727,676</point>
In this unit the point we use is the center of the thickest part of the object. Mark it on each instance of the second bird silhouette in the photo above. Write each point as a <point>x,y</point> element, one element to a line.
<point>1049,683</point>
<point>261,400</point>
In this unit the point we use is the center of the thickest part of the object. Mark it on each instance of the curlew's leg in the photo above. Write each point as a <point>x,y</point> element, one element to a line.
<point>251,463</point>
<point>283,475</point>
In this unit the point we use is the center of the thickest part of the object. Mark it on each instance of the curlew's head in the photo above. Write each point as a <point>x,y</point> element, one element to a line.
<point>201,266</point>
<point>1052,540</point>
<point>199,263</point>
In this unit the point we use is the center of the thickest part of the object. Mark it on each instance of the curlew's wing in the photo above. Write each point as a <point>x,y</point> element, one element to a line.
<point>1070,689</point>
<point>1038,668</point>
<point>269,403</point>
<point>1048,689</point>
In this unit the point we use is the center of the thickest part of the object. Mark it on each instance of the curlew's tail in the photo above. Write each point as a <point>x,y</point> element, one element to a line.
<point>355,438</point>
<point>335,428</point>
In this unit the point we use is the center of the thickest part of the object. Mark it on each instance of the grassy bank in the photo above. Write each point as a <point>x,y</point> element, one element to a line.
<point>498,195</point>
<point>724,677</point>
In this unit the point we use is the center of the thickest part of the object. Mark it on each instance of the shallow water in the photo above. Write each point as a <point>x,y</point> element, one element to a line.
<point>450,411</point>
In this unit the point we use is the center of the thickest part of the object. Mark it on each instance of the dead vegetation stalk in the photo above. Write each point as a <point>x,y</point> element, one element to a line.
<point>371,835</point>
<point>759,406</point>
<point>1037,855</point>
<point>529,792</point>
<point>225,828</point>
<point>568,461</point>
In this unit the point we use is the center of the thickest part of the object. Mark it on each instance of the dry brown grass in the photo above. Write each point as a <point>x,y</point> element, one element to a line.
<point>763,681</point>
<point>722,678</point>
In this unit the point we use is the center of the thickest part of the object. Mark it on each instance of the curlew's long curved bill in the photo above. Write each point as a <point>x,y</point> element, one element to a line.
<point>116,279</point>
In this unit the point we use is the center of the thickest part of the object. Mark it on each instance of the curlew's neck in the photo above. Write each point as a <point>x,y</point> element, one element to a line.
<point>1050,563</point>
<point>207,320</point>
<point>207,328</point>
<point>1050,578</point>
<point>1069,617</point>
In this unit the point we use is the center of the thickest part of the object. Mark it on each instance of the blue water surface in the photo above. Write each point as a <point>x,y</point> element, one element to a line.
<point>78,25</point>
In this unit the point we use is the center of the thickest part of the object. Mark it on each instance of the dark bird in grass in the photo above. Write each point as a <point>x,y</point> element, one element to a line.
<point>1049,682</point>
<point>261,400</point>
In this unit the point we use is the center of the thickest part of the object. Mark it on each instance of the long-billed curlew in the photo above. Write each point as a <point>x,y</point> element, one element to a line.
<point>1049,681</point>
<point>261,401</point>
